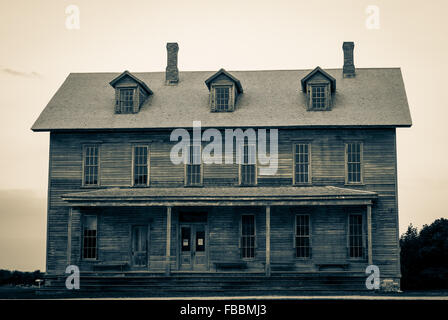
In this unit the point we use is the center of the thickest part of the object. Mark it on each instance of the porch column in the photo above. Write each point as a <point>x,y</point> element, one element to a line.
<point>268,241</point>
<point>69,236</point>
<point>369,233</point>
<point>168,241</point>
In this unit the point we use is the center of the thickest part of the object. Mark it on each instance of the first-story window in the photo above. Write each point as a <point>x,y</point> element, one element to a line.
<point>355,237</point>
<point>248,167</point>
<point>193,166</point>
<point>89,237</point>
<point>302,163</point>
<point>126,100</point>
<point>353,156</point>
<point>141,166</point>
<point>303,235</point>
<point>247,236</point>
<point>91,165</point>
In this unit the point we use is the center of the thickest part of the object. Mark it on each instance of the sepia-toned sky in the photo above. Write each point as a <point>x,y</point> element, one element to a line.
<point>38,51</point>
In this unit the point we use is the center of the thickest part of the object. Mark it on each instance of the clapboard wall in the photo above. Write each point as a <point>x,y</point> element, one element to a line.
<point>327,156</point>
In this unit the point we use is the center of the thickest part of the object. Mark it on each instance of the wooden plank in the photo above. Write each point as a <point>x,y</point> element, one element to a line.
<point>168,241</point>
<point>327,166</point>
<point>69,237</point>
<point>369,234</point>
<point>268,241</point>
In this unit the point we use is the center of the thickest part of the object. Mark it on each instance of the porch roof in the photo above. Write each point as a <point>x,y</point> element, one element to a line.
<point>310,195</point>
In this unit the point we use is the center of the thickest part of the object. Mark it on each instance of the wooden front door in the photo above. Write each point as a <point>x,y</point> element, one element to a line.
<point>193,247</point>
<point>139,247</point>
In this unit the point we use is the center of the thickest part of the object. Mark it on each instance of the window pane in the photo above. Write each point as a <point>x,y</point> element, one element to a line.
<point>354,162</point>
<point>90,237</point>
<point>248,236</point>
<point>222,98</point>
<point>186,237</point>
<point>302,163</point>
<point>126,100</point>
<point>140,165</point>
<point>355,236</point>
<point>248,165</point>
<point>318,97</point>
<point>193,166</point>
<point>302,241</point>
<point>91,165</point>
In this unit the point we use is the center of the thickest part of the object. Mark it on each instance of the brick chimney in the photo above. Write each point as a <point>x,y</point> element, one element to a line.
<point>172,73</point>
<point>349,66</point>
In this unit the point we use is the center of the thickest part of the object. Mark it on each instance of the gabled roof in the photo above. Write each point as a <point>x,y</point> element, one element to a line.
<point>221,71</point>
<point>326,75</point>
<point>376,97</point>
<point>126,73</point>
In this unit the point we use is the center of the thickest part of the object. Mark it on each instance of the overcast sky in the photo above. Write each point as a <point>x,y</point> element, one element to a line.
<point>38,51</point>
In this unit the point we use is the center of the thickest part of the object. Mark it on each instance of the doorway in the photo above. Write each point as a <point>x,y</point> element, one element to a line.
<point>193,246</point>
<point>139,246</point>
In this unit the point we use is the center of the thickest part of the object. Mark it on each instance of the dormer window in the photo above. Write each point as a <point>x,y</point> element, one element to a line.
<point>319,96</point>
<point>318,100</point>
<point>224,91</point>
<point>318,86</point>
<point>130,93</point>
<point>222,95</point>
<point>126,100</point>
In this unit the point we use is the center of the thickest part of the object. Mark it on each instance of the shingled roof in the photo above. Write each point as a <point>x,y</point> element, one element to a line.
<point>214,196</point>
<point>374,98</point>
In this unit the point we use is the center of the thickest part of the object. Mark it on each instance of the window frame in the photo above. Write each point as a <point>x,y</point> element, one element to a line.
<point>294,180</point>
<point>84,148</point>
<point>201,168</point>
<point>327,95</point>
<point>213,96</point>
<point>229,93</point>
<point>309,237</point>
<point>134,96</point>
<point>83,240</point>
<point>361,159</point>
<point>148,165</point>
<point>240,165</point>
<point>240,244</point>
<point>363,257</point>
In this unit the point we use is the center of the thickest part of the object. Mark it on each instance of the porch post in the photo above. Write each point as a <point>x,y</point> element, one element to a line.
<point>268,241</point>
<point>69,236</point>
<point>168,241</point>
<point>369,233</point>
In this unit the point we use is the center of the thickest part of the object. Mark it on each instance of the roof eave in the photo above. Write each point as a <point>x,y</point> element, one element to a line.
<point>371,126</point>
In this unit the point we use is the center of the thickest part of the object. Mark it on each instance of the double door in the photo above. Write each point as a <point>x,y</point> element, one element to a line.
<point>193,247</point>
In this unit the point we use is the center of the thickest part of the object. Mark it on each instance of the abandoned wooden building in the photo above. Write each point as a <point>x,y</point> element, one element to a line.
<point>120,209</point>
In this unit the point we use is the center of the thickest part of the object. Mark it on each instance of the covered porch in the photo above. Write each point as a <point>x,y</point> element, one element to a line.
<point>202,230</point>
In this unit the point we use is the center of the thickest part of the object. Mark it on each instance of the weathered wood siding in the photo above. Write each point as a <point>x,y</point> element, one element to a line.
<point>327,155</point>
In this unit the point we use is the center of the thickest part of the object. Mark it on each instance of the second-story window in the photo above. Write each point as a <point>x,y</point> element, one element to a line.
<point>126,100</point>
<point>248,166</point>
<point>193,176</point>
<point>141,166</point>
<point>222,95</point>
<point>91,165</point>
<point>353,154</point>
<point>302,163</point>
